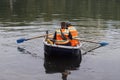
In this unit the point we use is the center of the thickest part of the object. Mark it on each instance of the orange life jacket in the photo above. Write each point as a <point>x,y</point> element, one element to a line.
<point>73,31</point>
<point>74,42</point>
<point>74,34</point>
<point>59,38</point>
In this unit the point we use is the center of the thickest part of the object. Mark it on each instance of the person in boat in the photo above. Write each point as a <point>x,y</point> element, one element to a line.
<point>61,36</point>
<point>73,33</point>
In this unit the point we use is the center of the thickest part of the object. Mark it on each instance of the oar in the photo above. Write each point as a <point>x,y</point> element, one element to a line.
<point>21,40</point>
<point>101,43</point>
<point>91,50</point>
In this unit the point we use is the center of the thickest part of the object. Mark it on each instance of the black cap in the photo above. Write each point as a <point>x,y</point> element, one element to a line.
<point>68,24</point>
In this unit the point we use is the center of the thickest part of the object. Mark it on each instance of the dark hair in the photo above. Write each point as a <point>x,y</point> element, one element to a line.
<point>63,24</point>
<point>68,24</point>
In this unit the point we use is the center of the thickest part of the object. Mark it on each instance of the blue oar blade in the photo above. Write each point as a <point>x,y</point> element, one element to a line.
<point>21,40</point>
<point>103,43</point>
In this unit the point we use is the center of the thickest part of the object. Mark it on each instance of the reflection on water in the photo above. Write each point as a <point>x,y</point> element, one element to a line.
<point>61,65</point>
<point>50,10</point>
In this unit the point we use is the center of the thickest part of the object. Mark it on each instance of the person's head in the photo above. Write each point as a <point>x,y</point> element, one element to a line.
<point>68,24</point>
<point>63,25</point>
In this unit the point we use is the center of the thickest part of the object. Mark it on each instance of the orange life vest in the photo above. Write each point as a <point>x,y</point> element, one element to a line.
<point>73,31</point>
<point>74,42</point>
<point>59,38</point>
<point>74,34</point>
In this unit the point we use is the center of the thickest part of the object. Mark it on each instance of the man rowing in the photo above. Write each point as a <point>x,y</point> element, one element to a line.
<point>66,35</point>
<point>73,33</point>
<point>61,35</point>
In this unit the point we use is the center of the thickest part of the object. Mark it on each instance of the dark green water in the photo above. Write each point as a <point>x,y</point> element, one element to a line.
<point>96,20</point>
<point>32,10</point>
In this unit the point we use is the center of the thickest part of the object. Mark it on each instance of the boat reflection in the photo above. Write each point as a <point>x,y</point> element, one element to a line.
<point>61,65</point>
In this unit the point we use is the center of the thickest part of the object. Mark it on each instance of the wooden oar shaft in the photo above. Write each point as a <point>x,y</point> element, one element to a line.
<point>86,41</point>
<point>89,41</point>
<point>23,39</point>
<point>39,36</point>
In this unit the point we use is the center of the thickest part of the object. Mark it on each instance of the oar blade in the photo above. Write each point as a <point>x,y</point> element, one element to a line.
<point>21,40</point>
<point>103,43</point>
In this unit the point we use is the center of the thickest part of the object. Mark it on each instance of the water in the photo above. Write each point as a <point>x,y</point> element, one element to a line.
<point>95,20</point>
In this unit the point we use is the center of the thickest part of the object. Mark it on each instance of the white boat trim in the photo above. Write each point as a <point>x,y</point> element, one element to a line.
<point>61,46</point>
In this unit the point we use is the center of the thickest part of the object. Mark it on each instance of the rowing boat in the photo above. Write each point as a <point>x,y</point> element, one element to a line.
<point>60,50</point>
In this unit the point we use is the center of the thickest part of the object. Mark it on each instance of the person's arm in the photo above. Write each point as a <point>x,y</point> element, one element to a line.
<point>70,35</point>
<point>62,35</point>
<point>54,37</point>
